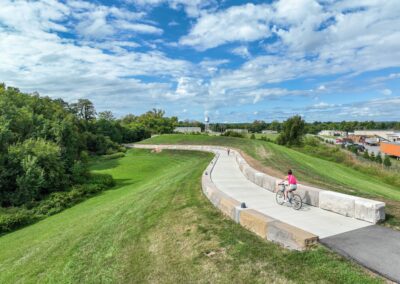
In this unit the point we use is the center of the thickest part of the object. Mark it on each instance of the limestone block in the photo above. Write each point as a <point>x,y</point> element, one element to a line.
<point>255,221</point>
<point>258,179</point>
<point>289,236</point>
<point>277,185</point>
<point>309,194</point>
<point>369,210</point>
<point>337,202</point>
<point>215,197</point>
<point>238,211</point>
<point>249,172</point>
<point>228,206</point>
<point>269,182</point>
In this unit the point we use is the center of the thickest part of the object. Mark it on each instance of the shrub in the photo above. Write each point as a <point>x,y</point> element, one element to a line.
<point>233,134</point>
<point>378,158</point>
<point>252,136</point>
<point>386,161</point>
<point>372,156</point>
<point>366,155</point>
<point>113,156</point>
<point>15,218</point>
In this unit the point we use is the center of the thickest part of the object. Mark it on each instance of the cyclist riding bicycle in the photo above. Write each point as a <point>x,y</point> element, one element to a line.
<point>292,184</point>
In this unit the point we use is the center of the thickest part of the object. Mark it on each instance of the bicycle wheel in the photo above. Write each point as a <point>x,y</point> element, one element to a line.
<point>296,202</point>
<point>280,197</point>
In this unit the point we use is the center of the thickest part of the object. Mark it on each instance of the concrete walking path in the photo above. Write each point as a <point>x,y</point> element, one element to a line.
<point>229,179</point>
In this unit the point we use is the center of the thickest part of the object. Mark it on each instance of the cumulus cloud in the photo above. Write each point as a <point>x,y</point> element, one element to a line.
<point>387,92</point>
<point>76,48</point>
<point>241,51</point>
<point>193,8</point>
<point>239,23</point>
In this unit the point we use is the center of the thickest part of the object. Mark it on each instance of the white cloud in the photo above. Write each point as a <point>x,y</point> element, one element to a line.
<point>239,23</point>
<point>387,92</point>
<point>241,51</point>
<point>322,105</point>
<point>34,58</point>
<point>193,8</point>
<point>138,27</point>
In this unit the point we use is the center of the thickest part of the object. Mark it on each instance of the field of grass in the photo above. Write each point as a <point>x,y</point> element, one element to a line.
<point>156,226</point>
<point>308,169</point>
<point>260,136</point>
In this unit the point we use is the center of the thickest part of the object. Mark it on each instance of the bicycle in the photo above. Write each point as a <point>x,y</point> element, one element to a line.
<point>294,199</point>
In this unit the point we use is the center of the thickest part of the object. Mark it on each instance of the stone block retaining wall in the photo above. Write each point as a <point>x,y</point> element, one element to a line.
<point>265,226</point>
<point>351,206</point>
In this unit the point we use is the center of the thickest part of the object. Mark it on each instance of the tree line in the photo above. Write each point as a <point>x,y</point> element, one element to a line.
<point>45,143</point>
<point>309,127</point>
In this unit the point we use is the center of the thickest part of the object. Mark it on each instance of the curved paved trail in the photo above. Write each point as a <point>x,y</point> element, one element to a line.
<point>373,246</point>
<point>228,178</point>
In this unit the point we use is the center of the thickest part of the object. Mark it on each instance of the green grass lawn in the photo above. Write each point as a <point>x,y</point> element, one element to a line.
<point>270,136</point>
<point>308,169</point>
<point>156,226</point>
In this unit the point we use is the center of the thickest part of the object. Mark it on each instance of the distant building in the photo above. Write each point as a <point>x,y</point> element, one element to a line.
<point>391,149</point>
<point>382,135</point>
<point>269,132</point>
<point>332,133</point>
<point>243,131</point>
<point>189,129</point>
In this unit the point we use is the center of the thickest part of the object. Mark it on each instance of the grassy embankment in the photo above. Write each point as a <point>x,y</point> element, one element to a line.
<point>156,226</point>
<point>277,159</point>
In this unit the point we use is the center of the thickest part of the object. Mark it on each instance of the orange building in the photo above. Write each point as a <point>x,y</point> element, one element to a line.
<point>391,149</point>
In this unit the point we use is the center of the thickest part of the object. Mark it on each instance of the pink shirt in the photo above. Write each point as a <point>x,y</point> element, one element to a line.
<point>292,179</point>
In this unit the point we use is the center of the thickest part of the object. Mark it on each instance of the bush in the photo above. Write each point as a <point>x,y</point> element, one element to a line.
<point>252,136</point>
<point>13,218</point>
<point>378,158</point>
<point>113,156</point>
<point>233,134</point>
<point>366,155</point>
<point>386,161</point>
<point>372,156</point>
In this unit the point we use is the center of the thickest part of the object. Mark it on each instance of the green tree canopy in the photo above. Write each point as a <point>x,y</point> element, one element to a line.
<point>293,131</point>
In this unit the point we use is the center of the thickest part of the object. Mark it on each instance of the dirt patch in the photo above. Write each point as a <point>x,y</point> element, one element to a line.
<point>262,153</point>
<point>156,150</point>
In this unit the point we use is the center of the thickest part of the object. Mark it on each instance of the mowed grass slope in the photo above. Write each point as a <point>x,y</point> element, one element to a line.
<point>156,226</point>
<point>308,169</point>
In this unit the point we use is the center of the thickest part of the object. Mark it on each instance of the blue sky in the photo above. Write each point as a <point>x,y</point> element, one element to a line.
<point>235,61</point>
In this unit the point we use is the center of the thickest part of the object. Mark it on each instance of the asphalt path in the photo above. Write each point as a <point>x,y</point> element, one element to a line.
<point>375,247</point>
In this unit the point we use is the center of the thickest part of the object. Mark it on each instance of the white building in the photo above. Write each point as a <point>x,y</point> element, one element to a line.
<point>187,129</point>
<point>269,132</point>
<point>389,135</point>
<point>243,131</point>
<point>332,133</point>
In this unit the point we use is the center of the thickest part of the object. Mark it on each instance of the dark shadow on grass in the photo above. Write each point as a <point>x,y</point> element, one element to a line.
<point>122,183</point>
<point>102,165</point>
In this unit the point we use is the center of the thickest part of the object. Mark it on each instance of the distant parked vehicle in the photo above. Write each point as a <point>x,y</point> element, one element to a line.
<point>339,141</point>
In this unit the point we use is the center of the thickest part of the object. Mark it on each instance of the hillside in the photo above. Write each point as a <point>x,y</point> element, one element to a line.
<point>276,159</point>
<point>156,226</point>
